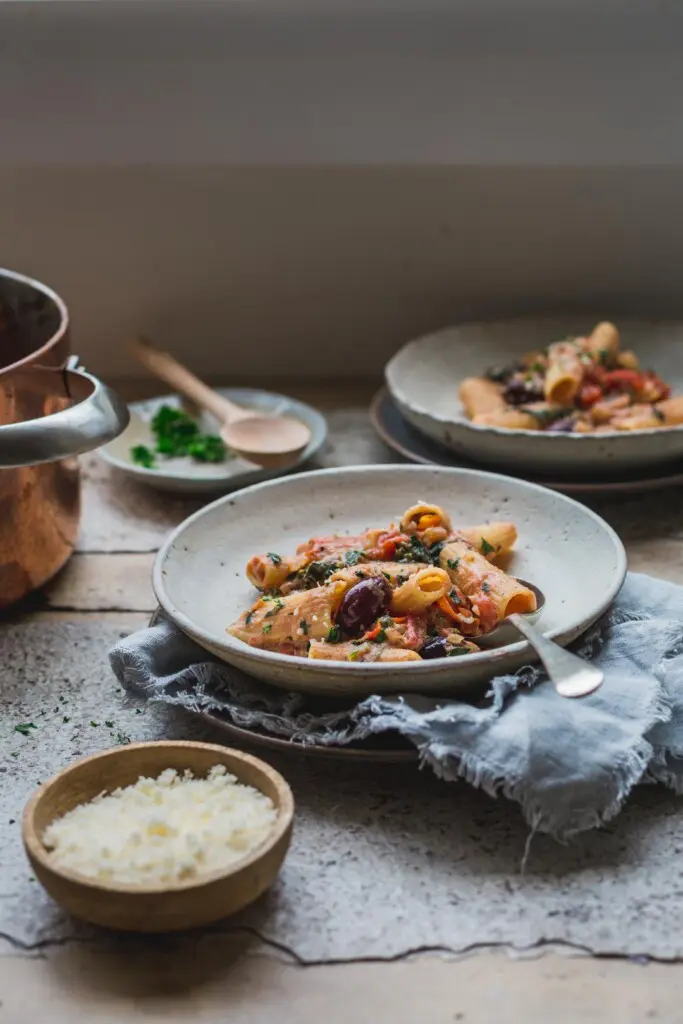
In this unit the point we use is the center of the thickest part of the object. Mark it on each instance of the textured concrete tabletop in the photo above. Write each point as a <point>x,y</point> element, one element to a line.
<point>393,877</point>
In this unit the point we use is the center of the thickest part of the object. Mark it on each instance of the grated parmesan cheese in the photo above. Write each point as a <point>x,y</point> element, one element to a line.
<point>171,829</point>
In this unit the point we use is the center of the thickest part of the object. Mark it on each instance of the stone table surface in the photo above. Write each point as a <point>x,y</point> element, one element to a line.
<point>402,897</point>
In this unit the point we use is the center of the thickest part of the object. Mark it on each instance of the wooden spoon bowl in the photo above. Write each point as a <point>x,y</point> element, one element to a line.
<point>268,441</point>
<point>167,907</point>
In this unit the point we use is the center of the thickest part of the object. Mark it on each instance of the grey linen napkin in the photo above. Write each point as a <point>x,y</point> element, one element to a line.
<point>570,764</point>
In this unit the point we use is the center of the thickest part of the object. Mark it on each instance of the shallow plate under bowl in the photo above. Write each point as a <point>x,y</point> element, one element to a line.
<point>564,548</point>
<point>398,434</point>
<point>425,375</point>
<point>189,477</point>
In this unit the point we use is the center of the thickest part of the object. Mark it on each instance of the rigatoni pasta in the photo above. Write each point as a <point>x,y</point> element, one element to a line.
<point>579,385</point>
<point>417,590</point>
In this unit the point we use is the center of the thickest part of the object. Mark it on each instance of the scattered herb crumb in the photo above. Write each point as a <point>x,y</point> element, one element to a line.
<point>24,728</point>
<point>303,626</point>
<point>453,563</point>
<point>486,587</point>
<point>334,635</point>
<point>486,548</point>
<point>267,629</point>
<point>122,738</point>
<point>109,725</point>
<point>138,711</point>
<point>95,725</point>
<point>66,719</point>
<point>15,753</point>
<point>275,559</point>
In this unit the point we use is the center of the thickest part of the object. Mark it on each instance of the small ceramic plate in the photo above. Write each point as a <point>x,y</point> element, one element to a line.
<point>425,375</point>
<point>398,434</point>
<point>190,477</point>
<point>564,548</point>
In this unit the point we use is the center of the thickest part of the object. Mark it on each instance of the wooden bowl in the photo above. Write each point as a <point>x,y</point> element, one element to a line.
<point>169,907</point>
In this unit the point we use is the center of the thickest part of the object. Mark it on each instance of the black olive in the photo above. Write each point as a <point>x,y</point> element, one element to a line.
<point>363,604</point>
<point>437,647</point>
<point>521,390</point>
<point>500,374</point>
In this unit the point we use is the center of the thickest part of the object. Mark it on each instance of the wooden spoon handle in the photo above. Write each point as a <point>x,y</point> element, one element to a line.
<point>163,365</point>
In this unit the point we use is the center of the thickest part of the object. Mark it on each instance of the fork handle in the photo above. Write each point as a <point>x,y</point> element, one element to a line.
<point>570,675</point>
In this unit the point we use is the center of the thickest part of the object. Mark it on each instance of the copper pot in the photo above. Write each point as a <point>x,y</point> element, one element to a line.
<point>50,412</point>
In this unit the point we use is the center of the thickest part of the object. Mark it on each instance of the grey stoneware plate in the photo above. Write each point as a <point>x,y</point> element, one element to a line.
<point>564,548</point>
<point>398,434</point>
<point>425,375</point>
<point>389,752</point>
<point>189,477</point>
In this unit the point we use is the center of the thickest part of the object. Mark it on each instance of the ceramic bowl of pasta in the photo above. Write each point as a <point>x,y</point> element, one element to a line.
<point>380,579</point>
<point>569,395</point>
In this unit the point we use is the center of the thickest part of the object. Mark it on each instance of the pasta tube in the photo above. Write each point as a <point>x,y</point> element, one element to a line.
<point>491,539</point>
<point>603,343</point>
<point>267,572</point>
<point>510,419</point>
<point>478,579</point>
<point>360,652</point>
<point>480,397</point>
<point>564,374</point>
<point>290,621</point>
<point>395,572</point>
<point>424,588</point>
<point>672,410</point>
<point>421,517</point>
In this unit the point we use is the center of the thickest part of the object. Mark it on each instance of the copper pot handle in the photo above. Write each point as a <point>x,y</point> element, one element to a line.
<point>97,416</point>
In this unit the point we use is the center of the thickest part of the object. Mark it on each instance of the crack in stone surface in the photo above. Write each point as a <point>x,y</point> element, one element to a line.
<point>543,947</point>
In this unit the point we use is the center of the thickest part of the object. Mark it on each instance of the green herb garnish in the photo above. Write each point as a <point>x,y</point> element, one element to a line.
<point>142,456</point>
<point>267,628</point>
<point>486,548</point>
<point>122,738</point>
<point>24,728</point>
<point>303,626</point>
<point>206,448</point>
<point>416,551</point>
<point>381,637</point>
<point>458,650</point>
<point>353,557</point>
<point>317,573</point>
<point>486,587</point>
<point>248,617</point>
<point>453,563</point>
<point>334,635</point>
<point>177,434</point>
<point>279,603</point>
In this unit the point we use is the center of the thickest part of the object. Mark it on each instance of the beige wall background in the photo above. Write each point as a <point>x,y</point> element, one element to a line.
<point>283,272</point>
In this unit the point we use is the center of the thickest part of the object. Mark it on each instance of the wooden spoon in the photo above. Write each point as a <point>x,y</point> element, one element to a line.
<point>269,441</point>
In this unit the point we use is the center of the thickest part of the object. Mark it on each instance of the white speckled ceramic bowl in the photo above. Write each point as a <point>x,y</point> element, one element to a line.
<point>425,375</point>
<point>564,548</point>
<point>189,477</point>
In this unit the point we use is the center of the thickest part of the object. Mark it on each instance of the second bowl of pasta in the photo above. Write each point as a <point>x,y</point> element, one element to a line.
<point>573,395</point>
<point>384,578</point>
